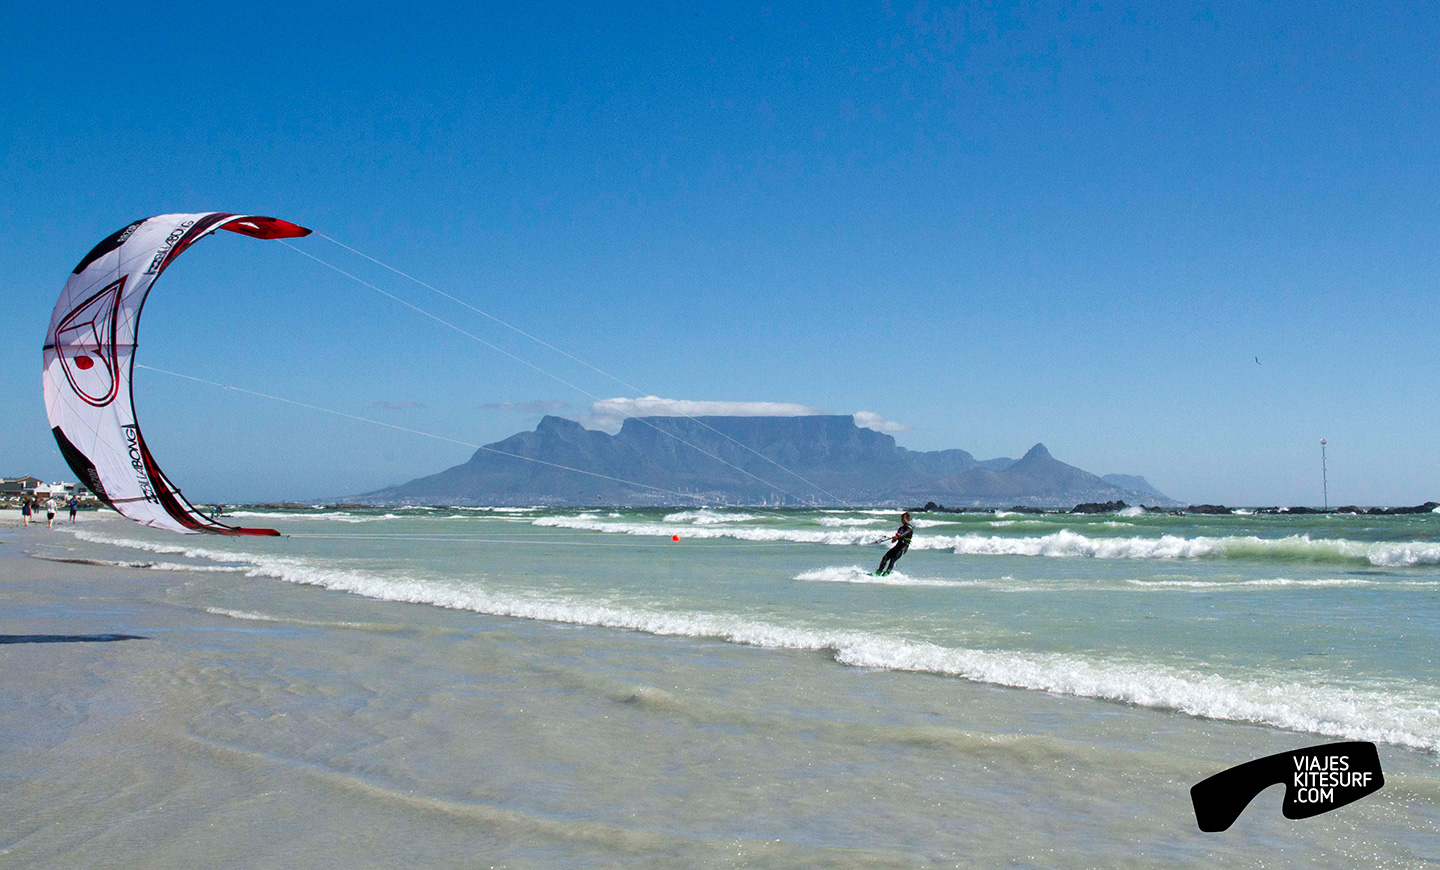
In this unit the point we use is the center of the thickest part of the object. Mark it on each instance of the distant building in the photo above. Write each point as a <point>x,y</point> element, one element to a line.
<point>19,487</point>
<point>13,486</point>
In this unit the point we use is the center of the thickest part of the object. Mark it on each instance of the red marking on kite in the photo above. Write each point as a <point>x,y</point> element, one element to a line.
<point>90,329</point>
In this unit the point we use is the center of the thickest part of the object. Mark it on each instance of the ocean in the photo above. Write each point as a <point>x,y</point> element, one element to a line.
<point>1023,690</point>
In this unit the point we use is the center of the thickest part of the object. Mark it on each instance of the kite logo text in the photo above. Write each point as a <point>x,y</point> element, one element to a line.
<point>170,241</point>
<point>137,461</point>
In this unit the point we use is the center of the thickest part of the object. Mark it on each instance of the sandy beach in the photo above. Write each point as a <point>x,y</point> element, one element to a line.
<point>193,718</point>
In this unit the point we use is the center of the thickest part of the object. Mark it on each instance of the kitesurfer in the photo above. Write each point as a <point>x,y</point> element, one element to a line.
<point>901,538</point>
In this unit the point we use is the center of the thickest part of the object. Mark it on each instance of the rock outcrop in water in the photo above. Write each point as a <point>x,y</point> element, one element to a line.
<point>746,455</point>
<point>1099,507</point>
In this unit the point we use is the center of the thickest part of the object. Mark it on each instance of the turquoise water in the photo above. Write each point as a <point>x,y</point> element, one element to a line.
<point>1322,624</point>
<point>1032,689</point>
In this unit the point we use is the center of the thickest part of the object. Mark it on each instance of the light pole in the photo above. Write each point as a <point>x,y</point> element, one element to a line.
<point>1324,475</point>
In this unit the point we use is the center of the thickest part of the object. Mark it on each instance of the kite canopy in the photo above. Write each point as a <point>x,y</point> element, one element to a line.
<point>89,354</point>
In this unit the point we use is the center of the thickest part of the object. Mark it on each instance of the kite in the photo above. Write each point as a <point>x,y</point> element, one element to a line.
<point>90,352</point>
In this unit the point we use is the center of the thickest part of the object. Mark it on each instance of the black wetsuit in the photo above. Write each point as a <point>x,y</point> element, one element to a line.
<point>892,555</point>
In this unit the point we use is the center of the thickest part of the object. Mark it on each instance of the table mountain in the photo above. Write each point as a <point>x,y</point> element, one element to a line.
<point>750,460</point>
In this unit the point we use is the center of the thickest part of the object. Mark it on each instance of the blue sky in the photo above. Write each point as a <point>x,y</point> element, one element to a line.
<point>993,223</point>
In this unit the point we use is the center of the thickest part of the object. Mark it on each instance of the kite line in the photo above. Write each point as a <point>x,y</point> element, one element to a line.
<point>420,432</point>
<point>622,382</point>
<point>552,375</point>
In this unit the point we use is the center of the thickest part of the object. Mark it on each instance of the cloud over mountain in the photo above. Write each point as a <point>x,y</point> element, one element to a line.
<point>608,415</point>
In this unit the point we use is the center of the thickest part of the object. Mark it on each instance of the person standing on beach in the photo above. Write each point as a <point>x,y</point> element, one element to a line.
<point>26,509</point>
<point>74,506</point>
<point>901,538</point>
<point>51,506</point>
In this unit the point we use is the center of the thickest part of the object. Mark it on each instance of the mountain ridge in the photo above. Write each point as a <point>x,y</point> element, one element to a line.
<point>818,459</point>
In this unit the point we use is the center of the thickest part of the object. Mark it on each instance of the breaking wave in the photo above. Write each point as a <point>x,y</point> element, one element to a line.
<point>705,517</point>
<point>1294,548</point>
<point>1063,543</point>
<point>595,523</point>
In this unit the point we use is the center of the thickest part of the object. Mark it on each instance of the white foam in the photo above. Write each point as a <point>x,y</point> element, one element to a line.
<point>1401,716</point>
<point>704,517</point>
<point>240,614</point>
<point>1407,714</point>
<point>838,537</point>
<point>1132,511</point>
<point>1060,544</point>
<point>857,574</point>
<point>332,516</point>
<point>1066,543</point>
<point>845,522</point>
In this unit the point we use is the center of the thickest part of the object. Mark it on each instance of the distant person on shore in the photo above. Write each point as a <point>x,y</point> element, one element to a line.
<point>26,509</point>
<point>74,507</point>
<point>901,538</point>
<point>50,507</point>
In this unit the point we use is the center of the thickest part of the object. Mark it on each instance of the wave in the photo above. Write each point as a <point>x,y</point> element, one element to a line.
<point>594,523</point>
<point>147,565</point>
<point>334,516</point>
<point>705,517</point>
<point>1267,581</point>
<point>1294,548</point>
<point>252,616</point>
<point>1065,543</point>
<point>844,522</point>
<point>857,574</point>
<point>1399,716</point>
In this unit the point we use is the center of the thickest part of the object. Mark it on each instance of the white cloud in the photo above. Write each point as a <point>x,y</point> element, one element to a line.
<point>609,414</point>
<point>871,420</point>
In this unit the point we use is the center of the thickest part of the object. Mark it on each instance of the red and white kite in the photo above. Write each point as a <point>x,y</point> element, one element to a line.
<point>89,352</point>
